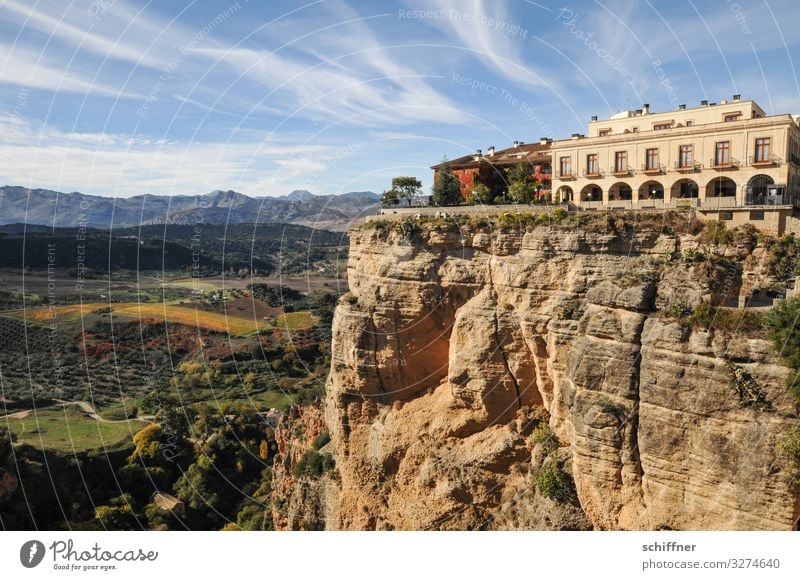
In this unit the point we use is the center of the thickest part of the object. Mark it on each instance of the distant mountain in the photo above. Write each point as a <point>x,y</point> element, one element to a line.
<point>298,195</point>
<point>41,206</point>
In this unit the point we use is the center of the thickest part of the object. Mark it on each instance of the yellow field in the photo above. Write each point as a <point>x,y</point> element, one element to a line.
<point>294,320</point>
<point>212,321</point>
<point>58,313</point>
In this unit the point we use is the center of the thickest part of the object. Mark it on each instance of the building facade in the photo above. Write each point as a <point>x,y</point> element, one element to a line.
<point>723,159</point>
<point>490,168</point>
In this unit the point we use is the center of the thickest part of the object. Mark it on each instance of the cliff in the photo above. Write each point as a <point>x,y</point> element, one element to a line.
<point>461,346</point>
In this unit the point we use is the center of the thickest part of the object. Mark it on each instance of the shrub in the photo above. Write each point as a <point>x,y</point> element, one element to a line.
<point>544,437</point>
<point>410,230</point>
<point>379,224</point>
<point>691,256</point>
<point>782,257</point>
<point>789,449</point>
<point>322,440</point>
<point>313,463</point>
<point>715,233</point>
<point>481,194</point>
<point>551,482</point>
<point>750,393</point>
<point>781,325</point>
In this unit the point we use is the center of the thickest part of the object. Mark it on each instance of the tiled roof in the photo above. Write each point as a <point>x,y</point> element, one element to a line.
<point>533,153</point>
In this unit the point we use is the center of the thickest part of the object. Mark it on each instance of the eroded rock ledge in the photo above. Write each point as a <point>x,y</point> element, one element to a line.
<point>450,349</point>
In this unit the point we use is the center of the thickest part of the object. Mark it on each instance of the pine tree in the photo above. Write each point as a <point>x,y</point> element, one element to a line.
<point>446,189</point>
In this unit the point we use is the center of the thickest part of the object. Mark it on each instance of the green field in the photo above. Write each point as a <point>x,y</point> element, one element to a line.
<point>69,429</point>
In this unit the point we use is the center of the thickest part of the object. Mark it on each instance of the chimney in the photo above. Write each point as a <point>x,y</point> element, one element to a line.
<point>723,102</point>
<point>594,118</point>
<point>681,107</point>
<point>712,104</point>
<point>638,112</point>
<point>490,151</point>
<point>521,143</point>
<point>478,155</point>
<point>516,144</point>
<point>737,98</point>
<point>576,135</point>
<point>703,103</point>
<point>646,108</point>
<point>544,140</point>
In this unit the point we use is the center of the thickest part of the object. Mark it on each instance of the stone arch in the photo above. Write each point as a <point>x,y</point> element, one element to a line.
<point>564,193</point>
<point>592,192</point>
<point>685,188</point>
<point>721,187</point>
<point>651,190</point>
<point>620,191</point>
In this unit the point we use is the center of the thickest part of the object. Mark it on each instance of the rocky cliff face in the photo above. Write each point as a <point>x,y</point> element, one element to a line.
<point>453,350</point>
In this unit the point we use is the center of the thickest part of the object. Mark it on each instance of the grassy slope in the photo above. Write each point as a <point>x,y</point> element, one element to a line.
<point>70,429</point>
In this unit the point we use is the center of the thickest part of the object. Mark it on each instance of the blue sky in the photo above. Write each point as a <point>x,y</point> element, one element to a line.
<point>128,97</point>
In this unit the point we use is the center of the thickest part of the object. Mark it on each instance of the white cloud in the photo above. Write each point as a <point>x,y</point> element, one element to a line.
<point>40,156</point>
<point>24,68</point>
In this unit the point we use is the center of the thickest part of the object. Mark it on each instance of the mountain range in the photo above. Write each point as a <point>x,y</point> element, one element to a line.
<point>52,208</point>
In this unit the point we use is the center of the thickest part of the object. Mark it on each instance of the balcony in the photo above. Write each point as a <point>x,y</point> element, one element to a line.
<point>654,170</point>
<point>721,165</point>
<point>570,175</point>
<point>621,171</point>
<point>767,199</point>
<point>687,167</point>
<point>592,174</point>
<point>769,161</point>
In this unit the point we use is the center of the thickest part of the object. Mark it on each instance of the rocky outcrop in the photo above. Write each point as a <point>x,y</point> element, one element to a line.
<point>300,501</point>
<point>450,349</point>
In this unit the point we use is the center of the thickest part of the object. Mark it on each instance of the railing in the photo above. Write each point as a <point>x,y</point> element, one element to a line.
<point>570,175</point>
<point>620,204</point>
<point>626,170</point>
<point>761,162</point>
<point>768,199</point>
<point>719,202</point>
<point>658,169</point>
<point>729,163</point>
<point>687,167</point>
<point>593,174</point>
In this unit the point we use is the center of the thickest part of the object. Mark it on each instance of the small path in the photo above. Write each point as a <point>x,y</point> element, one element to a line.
<point>85,406</point>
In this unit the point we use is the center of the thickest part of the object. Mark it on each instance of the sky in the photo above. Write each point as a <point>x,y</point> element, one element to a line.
<point>124,97</point>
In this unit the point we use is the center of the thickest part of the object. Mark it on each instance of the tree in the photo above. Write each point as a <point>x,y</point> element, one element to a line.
<point>520,191</point>
<point>389,198</point>
<point>481,194</point>
<point>446,188</point>
<point>407,187</point>
<point>518,172</point>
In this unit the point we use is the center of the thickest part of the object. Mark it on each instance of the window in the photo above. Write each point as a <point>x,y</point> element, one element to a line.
<point>756,215</point>
<point>604,133</point>
<point>732,117</point>
<point>726,215</point>
<point>661,126</point>
<point>620,162</point>
<point>689,123</point>
<point>651,162</point>
<point>591,164</point>
<point>566,166</point>
<point>722,156</point>
<point>762,149</point>
<point>634,129</point>
<point>686,156</point>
